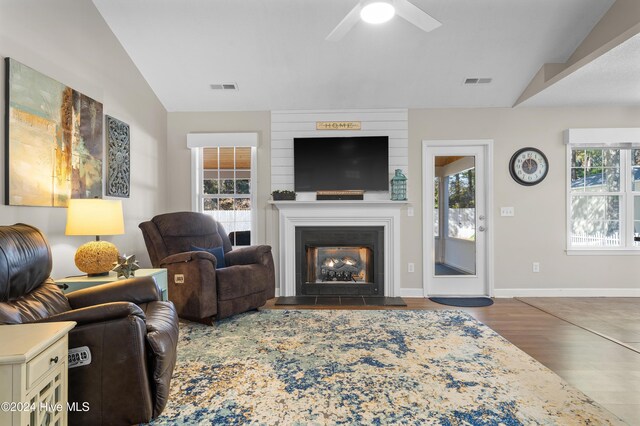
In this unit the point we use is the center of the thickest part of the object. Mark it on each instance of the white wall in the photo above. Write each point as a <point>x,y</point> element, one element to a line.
<point>537,232</point>
<point>287,125</point>
<point>461,254</point>
<point>69,41</point>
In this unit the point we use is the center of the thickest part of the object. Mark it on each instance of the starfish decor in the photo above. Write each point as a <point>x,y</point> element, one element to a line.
<point>126,266</point>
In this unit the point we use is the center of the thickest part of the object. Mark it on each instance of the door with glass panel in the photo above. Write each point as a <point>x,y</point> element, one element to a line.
<point>455,221</point>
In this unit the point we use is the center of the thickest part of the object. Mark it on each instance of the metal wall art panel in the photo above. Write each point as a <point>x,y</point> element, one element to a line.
<point>53,140</point>
<point>119,160</point>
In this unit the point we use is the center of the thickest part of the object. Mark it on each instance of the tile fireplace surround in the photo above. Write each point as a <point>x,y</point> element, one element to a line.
<point>293,214</point>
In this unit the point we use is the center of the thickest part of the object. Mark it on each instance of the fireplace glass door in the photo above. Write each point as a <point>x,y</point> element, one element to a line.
<point>339,261</point>
<point>346,265</point>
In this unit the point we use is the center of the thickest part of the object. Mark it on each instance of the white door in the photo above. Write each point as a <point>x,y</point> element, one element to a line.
<point>455,219</point>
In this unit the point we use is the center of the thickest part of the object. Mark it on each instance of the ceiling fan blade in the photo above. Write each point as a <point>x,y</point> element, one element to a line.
<point>416,16</point>
<point>346,24</point>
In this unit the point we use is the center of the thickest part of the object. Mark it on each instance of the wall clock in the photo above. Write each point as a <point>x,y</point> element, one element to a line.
<point>528,166</point>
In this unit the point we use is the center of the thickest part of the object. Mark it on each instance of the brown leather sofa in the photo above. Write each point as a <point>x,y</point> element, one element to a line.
<point>200,291</point>
<point>131,334</point>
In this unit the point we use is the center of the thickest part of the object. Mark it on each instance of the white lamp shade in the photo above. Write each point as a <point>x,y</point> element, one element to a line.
<point>92,216</point>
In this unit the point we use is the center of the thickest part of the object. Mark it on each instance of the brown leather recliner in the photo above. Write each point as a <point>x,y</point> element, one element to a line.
<point>200,291</point>
<point>131,334</point>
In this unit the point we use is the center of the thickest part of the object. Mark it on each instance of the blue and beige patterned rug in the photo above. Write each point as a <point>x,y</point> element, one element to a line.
<point>311,367</point>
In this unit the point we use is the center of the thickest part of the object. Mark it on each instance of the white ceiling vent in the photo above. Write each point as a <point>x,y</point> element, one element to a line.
<point>477,80</point>
<point>224,86</point>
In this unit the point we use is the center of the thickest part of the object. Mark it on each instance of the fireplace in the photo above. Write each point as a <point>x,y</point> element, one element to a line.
<point>340,261</point>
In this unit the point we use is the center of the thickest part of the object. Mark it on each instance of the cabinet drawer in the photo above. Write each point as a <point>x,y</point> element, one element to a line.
<point>49,359</point>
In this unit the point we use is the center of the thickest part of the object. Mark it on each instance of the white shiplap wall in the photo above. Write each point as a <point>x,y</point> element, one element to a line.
<point>286,125</point>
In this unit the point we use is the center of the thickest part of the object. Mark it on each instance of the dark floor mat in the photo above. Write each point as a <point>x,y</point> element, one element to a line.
<point>463,302</point>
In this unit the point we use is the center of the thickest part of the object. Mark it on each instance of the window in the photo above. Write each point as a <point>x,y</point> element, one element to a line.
<point>226,189</point>
<point>603,200</point>
<point>462,205</point>
<point>223,176</point>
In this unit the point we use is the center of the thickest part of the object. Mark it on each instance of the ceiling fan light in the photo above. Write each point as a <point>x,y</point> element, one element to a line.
<point>377,12</point>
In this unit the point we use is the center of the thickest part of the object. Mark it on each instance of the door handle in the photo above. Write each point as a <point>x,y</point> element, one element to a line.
<point>481,228</point>
<point>481,217</point>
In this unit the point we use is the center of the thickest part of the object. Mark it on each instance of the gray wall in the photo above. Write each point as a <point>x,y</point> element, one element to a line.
<point>69,41</point>
<point>537,232</point>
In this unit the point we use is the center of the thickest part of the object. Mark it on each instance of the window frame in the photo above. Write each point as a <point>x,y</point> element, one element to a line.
<point>196,142</point>
<point>625,139</point>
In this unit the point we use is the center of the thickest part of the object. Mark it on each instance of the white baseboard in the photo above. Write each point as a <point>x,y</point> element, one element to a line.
<point>566,292</point>
<point>411,292</point>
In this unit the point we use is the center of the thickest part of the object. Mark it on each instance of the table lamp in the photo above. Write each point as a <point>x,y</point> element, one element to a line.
<point>97,217</point>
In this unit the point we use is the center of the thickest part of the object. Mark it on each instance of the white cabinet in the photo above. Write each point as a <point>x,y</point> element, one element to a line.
<point>33,374</point>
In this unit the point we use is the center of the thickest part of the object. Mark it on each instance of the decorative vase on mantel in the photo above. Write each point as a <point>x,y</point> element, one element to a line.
<point>399,186</point>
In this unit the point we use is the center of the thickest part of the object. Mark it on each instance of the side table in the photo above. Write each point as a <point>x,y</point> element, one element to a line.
<point>77,283</point>
<point>33,373</point>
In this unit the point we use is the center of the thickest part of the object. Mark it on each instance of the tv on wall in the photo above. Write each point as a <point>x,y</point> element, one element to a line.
<point>341,163</point>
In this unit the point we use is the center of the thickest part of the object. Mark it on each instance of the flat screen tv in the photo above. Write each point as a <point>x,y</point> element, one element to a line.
<point>341,163</point>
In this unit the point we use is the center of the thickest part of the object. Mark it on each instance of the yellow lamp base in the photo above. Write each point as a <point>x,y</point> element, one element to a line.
<point>96,257</point>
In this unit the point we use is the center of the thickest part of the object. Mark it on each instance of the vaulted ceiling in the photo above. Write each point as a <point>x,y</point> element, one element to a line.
<point>276,52</point>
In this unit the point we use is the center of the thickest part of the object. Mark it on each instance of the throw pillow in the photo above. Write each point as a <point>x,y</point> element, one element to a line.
<point>218,252</point>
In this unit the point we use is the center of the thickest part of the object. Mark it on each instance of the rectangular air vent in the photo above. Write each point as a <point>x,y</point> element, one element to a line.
<point>224,86</point>
<point>478,80</point>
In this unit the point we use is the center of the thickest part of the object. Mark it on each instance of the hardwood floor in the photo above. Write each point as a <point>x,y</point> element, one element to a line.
<point>604,370</point>
<point>615,317</point>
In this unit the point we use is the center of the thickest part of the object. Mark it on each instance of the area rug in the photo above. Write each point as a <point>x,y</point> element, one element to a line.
<point>311,367</point>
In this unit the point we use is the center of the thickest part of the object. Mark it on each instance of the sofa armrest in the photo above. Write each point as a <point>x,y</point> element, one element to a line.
<point>162,340</point>
<point>98,313</point>
<point>135,290</point>
<point>188,256</point>
<point>249,255</point>
<point>192,284</point>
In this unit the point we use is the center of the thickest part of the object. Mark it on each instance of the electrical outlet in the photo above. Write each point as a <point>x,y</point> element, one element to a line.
<point>178,278</point>
<point>507,211</point>
<point>536,266</point>
<point>410,211</point>
<point>411,267</point>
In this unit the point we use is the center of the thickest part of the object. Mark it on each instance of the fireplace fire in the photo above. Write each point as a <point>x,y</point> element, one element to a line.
<point>353,265</point>
<point>340,260</point>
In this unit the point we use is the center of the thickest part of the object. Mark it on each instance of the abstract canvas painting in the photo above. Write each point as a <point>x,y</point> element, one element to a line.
<point>53,140</point>
<point>119,158</point>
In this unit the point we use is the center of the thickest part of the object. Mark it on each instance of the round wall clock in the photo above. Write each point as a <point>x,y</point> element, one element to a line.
<point>528,166</point>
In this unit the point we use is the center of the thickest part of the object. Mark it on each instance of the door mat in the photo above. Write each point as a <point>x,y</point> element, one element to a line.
<point>464,302</point>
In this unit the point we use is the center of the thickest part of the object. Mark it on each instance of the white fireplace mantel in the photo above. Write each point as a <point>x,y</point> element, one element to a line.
<point>339,213</point>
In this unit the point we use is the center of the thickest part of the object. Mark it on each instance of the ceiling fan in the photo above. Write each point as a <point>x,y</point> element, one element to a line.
<point>379,11</point>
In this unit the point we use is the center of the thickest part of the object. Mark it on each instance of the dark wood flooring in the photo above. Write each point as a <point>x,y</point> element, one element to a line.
<point>607,372</point>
